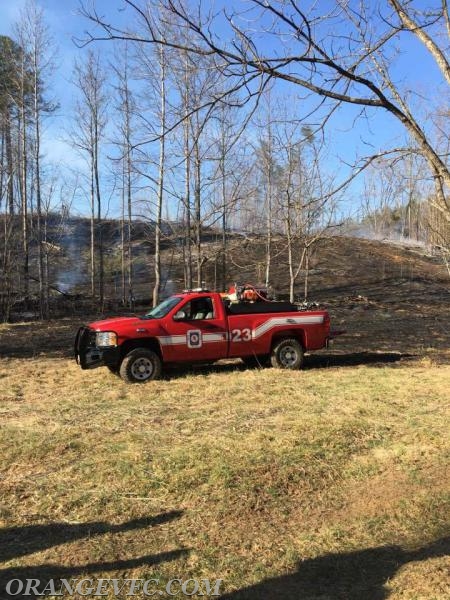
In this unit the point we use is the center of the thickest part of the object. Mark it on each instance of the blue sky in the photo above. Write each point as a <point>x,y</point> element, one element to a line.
<point>64,24</point>
<point>347,137</point>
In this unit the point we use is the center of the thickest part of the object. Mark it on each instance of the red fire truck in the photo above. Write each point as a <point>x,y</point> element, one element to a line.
<point>203,326</point>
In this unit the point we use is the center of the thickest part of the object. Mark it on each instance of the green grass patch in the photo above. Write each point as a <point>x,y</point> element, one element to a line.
<point>282,484</point>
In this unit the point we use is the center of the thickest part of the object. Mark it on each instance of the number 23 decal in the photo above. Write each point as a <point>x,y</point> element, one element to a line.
<point>241,335</point>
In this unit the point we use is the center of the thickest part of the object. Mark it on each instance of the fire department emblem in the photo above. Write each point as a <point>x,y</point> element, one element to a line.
<point>194,338</point>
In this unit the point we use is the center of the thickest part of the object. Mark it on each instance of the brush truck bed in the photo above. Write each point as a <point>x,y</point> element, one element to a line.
<point>202,327</point>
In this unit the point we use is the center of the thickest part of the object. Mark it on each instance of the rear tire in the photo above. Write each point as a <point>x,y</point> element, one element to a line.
<point>287,354</point>
<point>140,365</point>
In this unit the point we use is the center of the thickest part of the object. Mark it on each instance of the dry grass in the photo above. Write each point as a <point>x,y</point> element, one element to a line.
<point>321,484</point>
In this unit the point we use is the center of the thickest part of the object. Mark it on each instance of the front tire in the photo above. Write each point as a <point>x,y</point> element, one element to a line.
<point>287,354</point>
<point>140,365</point>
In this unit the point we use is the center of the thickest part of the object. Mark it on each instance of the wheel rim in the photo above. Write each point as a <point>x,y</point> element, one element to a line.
<point>142,368</point>
<point>288,356</point>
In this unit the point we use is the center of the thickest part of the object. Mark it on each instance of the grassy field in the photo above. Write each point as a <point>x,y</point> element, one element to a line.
<point>327,483</point>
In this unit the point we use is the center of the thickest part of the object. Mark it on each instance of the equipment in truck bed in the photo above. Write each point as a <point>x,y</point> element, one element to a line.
<point>251,308</point>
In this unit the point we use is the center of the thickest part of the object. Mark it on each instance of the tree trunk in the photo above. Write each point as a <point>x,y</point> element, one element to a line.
<point>306,290</point>
<point>24,198</point>
<point>290,258</point>
<point>129,215</point>
<point>159,204</point>
<point>269,168</point>
<point>9,165</point>
<point>197,209</point>
<point>122,242</point>
<point>187,170</point>
<point>223,274</point>
<point>187,207</point>
<point>43,300</point>
<point>92,249</point>
<point>99,223</point>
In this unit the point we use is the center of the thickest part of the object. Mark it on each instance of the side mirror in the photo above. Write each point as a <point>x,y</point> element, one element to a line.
<point>179,316</point>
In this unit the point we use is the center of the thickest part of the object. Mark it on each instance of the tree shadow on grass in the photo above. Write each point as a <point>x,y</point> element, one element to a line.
<point>20,541</point>
<point>16,542</point>
<point>359,575</point>
<point>46,572</point>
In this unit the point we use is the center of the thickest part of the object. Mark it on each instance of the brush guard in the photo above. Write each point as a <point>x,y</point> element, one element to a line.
<point>90,356</point>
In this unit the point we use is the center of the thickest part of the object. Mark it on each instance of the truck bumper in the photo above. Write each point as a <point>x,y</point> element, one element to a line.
<point>90,356</point>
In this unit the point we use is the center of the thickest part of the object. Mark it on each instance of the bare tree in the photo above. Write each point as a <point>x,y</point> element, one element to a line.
<point>87,136</point>
<point>196,81</point>
<point>23,80</point>
<point>9,272</point>
<point>202,85</point>
<point>381,192</point>
<point>11,129</point>
<point>10,55</point>
<point>267,167</point>
<point>181,70</point>
<point>394,197</point>
<point>343,56</point>
<point>151,72</point>
<point>305,199</point>
<point>126,109</point>
<point>39,46</point>
<point>230,176</point>
<point>185,99</point>
<point>161,169</point>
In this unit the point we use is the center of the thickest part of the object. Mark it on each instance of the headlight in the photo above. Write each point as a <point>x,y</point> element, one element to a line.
<point>106,338</point>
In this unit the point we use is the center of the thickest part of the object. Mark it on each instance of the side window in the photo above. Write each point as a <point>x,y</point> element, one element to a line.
<point>210,309</point>
<point>202,308</point>
<point>199,309</point>
<point>187,308</point>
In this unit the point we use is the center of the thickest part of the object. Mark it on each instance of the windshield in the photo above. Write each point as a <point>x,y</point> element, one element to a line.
<point>163,308</point>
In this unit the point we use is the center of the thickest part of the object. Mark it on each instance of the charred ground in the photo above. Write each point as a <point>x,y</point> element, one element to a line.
<point>390,298</point>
